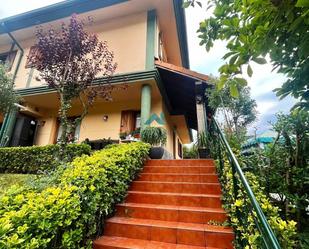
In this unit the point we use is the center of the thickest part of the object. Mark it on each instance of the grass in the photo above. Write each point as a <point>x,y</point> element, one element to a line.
<point>8,180</point>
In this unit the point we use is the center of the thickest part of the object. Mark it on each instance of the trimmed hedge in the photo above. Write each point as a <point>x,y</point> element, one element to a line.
<point>69,213</point>
<point>29,160</point>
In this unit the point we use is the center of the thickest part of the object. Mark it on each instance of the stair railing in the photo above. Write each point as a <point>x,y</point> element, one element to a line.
<point>239,181</point>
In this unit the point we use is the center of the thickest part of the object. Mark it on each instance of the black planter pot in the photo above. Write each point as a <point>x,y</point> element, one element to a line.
<point>156,152</point>
<point>204,153</point>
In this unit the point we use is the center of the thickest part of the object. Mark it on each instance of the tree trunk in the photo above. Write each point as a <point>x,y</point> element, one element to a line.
<point>64,123</point>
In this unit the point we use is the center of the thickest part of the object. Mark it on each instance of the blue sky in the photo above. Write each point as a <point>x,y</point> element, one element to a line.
<point>261,83</point>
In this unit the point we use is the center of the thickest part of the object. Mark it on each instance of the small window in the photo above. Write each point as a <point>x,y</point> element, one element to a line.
<point>8,59</point>
<point>33,51</point>
<point>179,148</point>
<point>161,50</point>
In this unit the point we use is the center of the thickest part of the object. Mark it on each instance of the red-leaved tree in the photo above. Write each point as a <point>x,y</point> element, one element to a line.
<point>68,60</point>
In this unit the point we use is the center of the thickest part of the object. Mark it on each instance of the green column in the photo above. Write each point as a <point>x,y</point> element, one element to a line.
<point>145,104</point>
<point>7,130</point>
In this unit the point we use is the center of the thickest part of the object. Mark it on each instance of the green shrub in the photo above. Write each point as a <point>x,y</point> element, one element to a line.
<point>36,158</point>
<point>69,214</point>
<point>243,220</point>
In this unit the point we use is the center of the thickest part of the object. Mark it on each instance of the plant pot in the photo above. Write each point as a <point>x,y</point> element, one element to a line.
<point>156,152</point>
<point>204,153</point>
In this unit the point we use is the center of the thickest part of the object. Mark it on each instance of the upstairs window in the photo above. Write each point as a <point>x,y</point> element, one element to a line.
<point>8,59</point>
<point>33,50</point>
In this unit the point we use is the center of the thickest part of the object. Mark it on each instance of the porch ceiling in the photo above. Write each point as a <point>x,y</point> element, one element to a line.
<point>50,100</point>
<point>180,88</point>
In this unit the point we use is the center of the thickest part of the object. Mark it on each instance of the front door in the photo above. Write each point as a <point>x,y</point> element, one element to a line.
<point>24,131</point>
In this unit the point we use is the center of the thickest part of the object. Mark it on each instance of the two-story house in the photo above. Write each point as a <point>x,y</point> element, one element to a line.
<point>148,38</point>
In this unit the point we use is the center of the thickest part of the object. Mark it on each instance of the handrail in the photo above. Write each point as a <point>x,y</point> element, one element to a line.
<point>273,242</point>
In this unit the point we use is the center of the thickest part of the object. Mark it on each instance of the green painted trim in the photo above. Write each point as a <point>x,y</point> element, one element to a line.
<point>53,12</point>
<point>145,104</point>
<point>116,79</point>
<point>151,38</point>
<point>3,127</point>
<point>182,32</point>
<point>30,76</point>
<point>9,128</point>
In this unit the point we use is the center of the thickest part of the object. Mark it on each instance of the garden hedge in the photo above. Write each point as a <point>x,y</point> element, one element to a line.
<point>69,212</point>
<point>29,160</point>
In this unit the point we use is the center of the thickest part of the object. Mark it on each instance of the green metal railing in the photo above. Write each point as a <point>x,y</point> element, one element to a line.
<point>239,181</point>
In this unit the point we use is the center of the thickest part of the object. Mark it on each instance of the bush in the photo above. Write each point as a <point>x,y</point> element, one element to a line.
<point>240,212</point>
<point>26,160</point>
<point>69,213</point>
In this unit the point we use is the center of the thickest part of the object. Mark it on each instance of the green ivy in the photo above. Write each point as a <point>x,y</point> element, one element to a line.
<point>28,160</point>
<point>69,213</point>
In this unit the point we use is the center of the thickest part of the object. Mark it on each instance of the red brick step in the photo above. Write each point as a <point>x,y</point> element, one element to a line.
<point>176,187</point>
<point>169,232</point>
<point>170,212</point>
<point>177,177</point>
<point>170,206</point>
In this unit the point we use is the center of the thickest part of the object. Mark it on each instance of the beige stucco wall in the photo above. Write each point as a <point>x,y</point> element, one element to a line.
<point>95,127</point>
<point>126,37</point>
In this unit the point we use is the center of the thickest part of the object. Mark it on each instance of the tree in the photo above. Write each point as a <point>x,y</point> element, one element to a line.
<point>68,60</point>
<point>254,29</point>
<point>7,95</point>
<point>283,168</point>
<point>238,112</point>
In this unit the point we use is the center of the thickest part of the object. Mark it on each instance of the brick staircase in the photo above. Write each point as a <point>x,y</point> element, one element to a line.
<point>171,205</point>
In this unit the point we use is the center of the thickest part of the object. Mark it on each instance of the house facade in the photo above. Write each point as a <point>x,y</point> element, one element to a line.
<point>148,38</point>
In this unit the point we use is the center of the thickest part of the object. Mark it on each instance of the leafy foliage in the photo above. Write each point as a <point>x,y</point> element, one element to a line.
<point>68,61</point>
<point>202,140</point>
<point>37,159</point>
<point>238,112</point>
<point>7,95</point>
<point>8,180</point>
<point>254,29</point>
<point>154,135</point>
<point>242,217</point>
<point>283,167</point>
<point>190,152</point>
<point>70,212</point>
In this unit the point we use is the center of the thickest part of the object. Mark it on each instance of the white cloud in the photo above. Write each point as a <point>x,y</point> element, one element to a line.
<point>262,83</point>
<point>14,7</point>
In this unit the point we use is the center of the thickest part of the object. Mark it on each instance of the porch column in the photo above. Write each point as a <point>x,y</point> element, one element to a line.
<point>145,104</point>
<point>8,127</point>
<point>200,106</point>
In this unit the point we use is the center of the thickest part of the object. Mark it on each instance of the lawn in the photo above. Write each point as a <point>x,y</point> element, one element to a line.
<point>7,180</point>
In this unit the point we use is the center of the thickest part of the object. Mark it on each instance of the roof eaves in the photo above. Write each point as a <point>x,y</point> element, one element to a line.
<point>52,12</point>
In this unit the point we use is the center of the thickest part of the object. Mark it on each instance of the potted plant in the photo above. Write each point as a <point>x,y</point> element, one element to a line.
<point>123,135</point>
<point>136,133</point>
<point>156,137</point>
<point>203,144</point>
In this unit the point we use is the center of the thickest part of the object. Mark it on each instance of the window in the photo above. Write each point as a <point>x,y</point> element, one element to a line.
<point>8,59</point>
<point>161,50</point>
<point>179,148</point>
<point>33,51</point>
<point>130,121</point>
